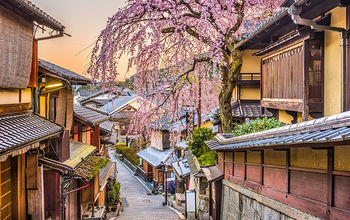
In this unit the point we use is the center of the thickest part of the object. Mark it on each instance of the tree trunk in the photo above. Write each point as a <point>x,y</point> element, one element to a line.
<point>229,74</point>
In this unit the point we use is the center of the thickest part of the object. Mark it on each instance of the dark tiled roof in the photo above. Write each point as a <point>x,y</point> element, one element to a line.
<point>19,130</point>
<point>331,129</point>
<point>241,110</point>
<point>89,116</point>
<point>72,77</point>
<point>212,173</point>
<point>36,13</point>
<point>108,171</point>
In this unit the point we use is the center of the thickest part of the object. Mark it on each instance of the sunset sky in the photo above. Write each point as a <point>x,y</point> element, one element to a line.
<point>83,19</point>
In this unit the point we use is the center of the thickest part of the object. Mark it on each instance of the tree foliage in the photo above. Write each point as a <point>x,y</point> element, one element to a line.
<point>256,126</point>
<point>197,146</point>
<point>172,44</point>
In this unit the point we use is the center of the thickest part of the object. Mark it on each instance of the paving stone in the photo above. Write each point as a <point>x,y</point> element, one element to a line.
<point>139,204</point>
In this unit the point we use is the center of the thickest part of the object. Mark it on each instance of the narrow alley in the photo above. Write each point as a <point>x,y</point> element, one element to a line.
<point>137,204</point>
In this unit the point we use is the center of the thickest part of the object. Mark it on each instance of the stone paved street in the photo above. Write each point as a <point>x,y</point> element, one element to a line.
<point>139,205</point>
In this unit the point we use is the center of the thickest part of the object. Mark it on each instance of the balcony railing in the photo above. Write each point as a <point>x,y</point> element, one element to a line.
<point>146,176</point>
<point>249,76</point>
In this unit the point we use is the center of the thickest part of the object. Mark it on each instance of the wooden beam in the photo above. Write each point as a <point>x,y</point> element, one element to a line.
<point>283,104</point>
<point>13,108</point>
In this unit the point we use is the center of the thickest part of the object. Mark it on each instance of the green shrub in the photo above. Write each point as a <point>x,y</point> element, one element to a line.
<point>197,146</point>
<point>113,193</point>
<point>256,126</point>
<point>129,153</point>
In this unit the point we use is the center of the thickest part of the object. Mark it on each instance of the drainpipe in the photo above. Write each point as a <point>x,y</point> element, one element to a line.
<point>294,13</point>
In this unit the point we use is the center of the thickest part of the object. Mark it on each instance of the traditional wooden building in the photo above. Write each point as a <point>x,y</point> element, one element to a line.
<point>297,171</point>
<point>90,162</point>
<point>154,158</point>
<point>303,54</point>
<point>121,110</point>
<point>25,135</point>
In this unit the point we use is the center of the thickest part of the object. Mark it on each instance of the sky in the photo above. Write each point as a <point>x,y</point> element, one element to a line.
<point>84,20</point>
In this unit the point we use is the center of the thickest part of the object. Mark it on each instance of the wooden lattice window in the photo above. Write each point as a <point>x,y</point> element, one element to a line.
<point>5,190</point>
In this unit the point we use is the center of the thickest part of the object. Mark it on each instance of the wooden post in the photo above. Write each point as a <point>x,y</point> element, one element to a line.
<point>245,165</point>
<point>96,137</point>
<point>348,60</point>
<point>305,112</point>
<point>330,166</point>
<point>287,171</point>
<point>19,191</point>
<point>262,167</point>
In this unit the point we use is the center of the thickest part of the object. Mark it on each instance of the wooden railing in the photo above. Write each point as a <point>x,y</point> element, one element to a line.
<point>249,76</point>
<point>146,176</point>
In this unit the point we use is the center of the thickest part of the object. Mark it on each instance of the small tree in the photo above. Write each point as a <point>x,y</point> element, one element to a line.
<point>197,146</point>
<point>256,126</point>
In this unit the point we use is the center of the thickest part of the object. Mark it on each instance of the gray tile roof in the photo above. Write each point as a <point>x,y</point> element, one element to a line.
<point>156,157</point>
<point>191,163</point>
<point>181,168</point>
<point>90,116</point>
<point>331,129</point>
<point>107,126</point>
<point>68,75</point>
<point>104,171</point>
<point>20,130</point>
<point>117,103</point>
<point>241,110</point>
<point>212,173</point>
<point>111,136</point>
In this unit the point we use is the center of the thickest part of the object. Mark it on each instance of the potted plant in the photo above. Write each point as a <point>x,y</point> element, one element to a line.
<point>113,196</point>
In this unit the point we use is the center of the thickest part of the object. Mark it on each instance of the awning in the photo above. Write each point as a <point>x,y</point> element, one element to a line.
<point>212,173</point>
<point>57,71</point>
<point>78,152</point>
<point>91,167</point>
<point>181,168</point>
<point>19,131</point>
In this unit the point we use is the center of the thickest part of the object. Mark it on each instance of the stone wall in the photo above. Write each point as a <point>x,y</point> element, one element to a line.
<point>240,203</point>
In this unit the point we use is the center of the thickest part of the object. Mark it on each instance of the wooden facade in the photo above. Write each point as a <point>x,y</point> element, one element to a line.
<point>292,77</point>
<point>295,176</point>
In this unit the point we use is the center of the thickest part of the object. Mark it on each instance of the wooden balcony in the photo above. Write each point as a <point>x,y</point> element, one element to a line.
<point>249,79</point>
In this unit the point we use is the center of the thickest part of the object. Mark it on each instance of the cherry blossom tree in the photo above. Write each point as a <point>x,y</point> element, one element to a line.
<point>177,45</point>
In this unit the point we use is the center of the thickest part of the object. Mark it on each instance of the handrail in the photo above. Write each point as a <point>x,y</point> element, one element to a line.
<point>249,76</point>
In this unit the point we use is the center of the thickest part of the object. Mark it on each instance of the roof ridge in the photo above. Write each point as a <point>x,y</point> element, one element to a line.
<point>328,122</point>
